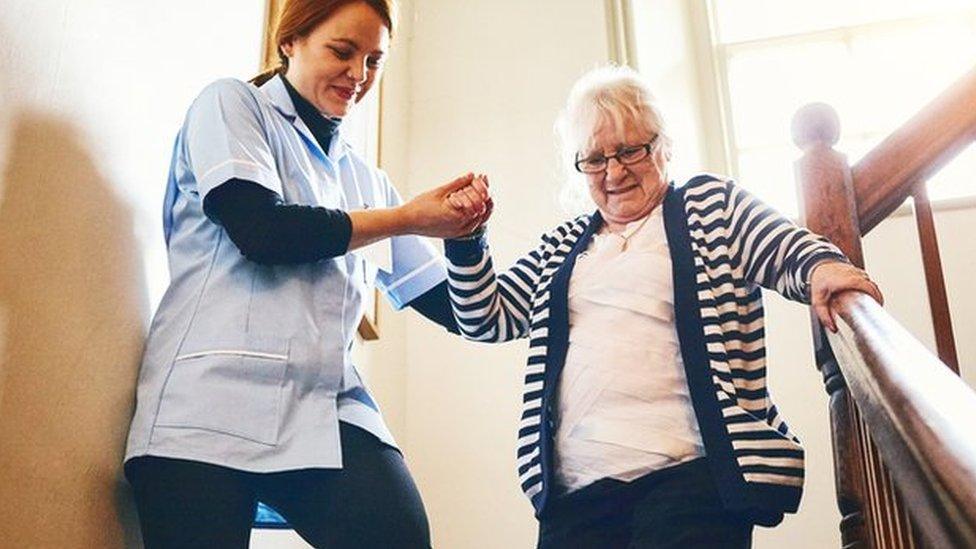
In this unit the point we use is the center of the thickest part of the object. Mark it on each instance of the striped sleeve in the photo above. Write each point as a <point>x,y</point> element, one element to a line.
<point>770,249</point>
<point>487,307</point>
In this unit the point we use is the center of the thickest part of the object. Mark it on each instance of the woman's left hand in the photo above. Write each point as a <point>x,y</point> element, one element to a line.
<point>833,277</point>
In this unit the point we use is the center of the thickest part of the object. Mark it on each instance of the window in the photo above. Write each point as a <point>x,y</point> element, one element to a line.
<point>877,62</point>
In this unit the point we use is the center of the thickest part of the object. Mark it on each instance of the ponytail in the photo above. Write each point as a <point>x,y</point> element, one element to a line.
<point>260,79</point>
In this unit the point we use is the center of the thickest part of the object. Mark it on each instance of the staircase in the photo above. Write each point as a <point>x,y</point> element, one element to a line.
<point>903,423</point>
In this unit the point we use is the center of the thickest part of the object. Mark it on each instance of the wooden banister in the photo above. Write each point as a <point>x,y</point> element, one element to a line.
<point>885,177</point>
<point>919,413</point>
<point>890,491</point>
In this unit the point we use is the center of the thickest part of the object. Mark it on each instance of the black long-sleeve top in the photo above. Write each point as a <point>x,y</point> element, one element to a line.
<point>268,231</point>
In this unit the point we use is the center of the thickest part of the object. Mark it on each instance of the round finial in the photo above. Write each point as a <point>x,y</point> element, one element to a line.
<point>815,123</point>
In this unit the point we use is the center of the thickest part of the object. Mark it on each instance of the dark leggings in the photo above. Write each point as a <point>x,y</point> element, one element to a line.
<point>371,502</point>
<point>674,508</point>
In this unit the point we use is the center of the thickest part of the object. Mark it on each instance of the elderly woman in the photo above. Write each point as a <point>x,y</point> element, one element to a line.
<point>647,421</point>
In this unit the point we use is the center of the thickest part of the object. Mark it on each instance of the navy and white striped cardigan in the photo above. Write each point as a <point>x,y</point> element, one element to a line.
<point>724,245</point>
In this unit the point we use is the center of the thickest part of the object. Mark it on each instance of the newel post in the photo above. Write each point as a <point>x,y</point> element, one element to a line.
<point>827,207</point>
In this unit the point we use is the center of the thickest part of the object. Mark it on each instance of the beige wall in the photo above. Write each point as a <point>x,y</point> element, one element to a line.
<point>91,95</point>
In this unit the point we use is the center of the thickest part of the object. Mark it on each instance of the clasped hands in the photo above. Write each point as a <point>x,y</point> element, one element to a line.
<point>452,210</point>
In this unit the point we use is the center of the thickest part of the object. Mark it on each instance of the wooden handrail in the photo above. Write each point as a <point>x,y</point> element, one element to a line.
<point>885,177</point>
<point>919,413</point>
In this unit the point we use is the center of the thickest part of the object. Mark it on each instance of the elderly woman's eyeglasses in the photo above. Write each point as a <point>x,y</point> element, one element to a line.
<point>598,163</point>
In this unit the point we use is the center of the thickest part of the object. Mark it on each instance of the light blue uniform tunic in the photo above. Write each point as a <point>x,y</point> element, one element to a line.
<point>246,365</point>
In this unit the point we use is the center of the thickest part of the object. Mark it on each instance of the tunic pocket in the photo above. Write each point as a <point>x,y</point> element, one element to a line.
<point>232,387</point>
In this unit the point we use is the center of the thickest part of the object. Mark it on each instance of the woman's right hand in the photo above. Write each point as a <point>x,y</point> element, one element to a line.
<point>830,278</point>
<point>438,214</point>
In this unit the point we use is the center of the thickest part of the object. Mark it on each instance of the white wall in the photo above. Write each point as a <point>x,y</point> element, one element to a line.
<point>91,95</point>
<point>894,258</point>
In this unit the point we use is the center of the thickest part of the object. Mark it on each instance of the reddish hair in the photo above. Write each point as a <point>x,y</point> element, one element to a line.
<point>299,18</point>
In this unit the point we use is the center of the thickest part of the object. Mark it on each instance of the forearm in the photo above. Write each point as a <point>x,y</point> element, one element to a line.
<point>488,308</point>
<point>435,305</point>
<point>789,265</point>
<point>772,251</point>
<point>814,259</point>
<point>369,226</point>
<point>270,232</point>
<point>474,292</point>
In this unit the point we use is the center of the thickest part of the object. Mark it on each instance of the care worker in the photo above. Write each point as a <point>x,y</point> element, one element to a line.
<point>275,231</point>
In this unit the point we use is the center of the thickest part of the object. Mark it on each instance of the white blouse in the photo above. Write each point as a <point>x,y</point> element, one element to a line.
<point>624,404</point>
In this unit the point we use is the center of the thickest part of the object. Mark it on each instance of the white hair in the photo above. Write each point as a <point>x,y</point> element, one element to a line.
<point>608,94</point>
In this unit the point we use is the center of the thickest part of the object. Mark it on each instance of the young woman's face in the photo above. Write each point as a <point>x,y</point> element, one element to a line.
<point>626,193</point>
<point>338,62</point>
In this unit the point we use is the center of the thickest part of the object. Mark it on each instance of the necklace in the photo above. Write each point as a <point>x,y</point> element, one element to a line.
<point>625,238</point>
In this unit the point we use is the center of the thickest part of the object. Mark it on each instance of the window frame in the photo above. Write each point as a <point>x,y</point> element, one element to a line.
<point>715,77</point>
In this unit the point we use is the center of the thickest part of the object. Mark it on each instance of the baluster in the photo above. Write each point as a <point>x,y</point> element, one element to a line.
<point>934,280</point>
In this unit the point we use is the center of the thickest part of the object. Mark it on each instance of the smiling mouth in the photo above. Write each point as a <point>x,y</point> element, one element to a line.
<point>345,93</point>
<point>621,190</point>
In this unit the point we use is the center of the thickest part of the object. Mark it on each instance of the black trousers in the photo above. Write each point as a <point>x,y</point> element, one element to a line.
<point>371,502</point>
<point>677,507</point>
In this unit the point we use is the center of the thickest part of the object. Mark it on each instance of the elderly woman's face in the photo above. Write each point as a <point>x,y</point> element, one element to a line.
<point>625,193</point>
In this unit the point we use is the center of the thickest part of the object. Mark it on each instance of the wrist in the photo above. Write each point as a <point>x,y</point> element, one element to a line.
<point>807,284</point>
<point>473,235</point>
<point>402,220</point>
<point>465,253</point>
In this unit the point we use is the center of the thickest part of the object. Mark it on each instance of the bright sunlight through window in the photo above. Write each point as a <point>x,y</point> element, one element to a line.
<point>877,62</point>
